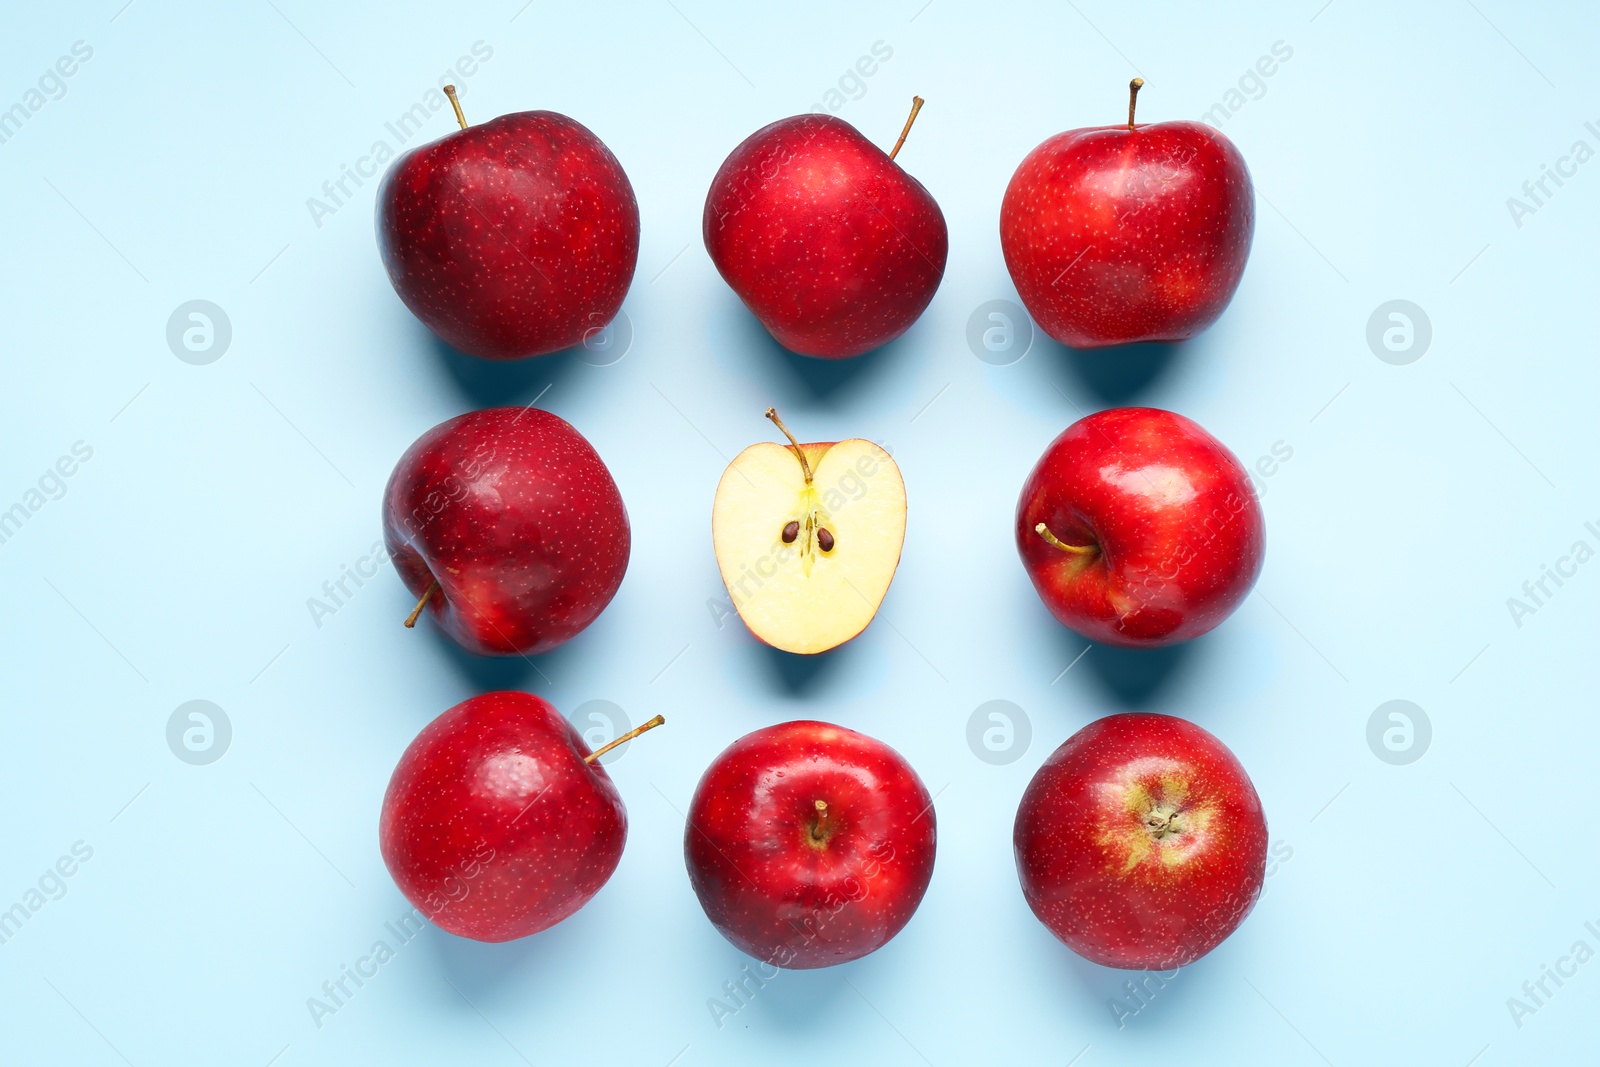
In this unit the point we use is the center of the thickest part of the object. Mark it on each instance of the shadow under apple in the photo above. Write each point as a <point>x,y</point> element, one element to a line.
<point>791,1000</point>
<point>821,380</point>
<point>797,675</point>
<point>503,382</point>
<point>1132,677</point>
<point>1155,993</point>
<point>490,968</point>
<point>1118,374</point>
<point>496,673</point>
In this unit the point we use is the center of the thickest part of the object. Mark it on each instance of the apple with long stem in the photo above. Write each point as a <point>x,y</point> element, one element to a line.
<point>1139,528</point>
<point>809,844</point>
<point>807,537</point>
<point>498,821</point>
<point>517,237</point>
<point>1141,842</point>
<point>1114,234</point>
<point>508,527</point>
<point>827,240</point>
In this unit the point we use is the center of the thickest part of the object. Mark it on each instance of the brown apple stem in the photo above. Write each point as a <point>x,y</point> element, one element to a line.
<point>822,817</point>
<point>772,413</point>
<point>450,91</point>
<point>916,106</point>
<point>1133,97</point>
<point>629,736</point>
<point>416,612</point>
<point>1077,550</point>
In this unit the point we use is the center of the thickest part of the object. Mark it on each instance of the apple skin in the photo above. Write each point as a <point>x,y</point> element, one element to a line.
<point>1115,235</point>
<point>829,242</point>
<point>513,238</point>
<point>1179,529</point>
<point>517,517</point>
<point>764,879</point>
<point>1091,866</point>
<point>493,825</point>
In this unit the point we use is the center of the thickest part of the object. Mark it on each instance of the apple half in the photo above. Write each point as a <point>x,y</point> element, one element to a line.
<point>808,537</point>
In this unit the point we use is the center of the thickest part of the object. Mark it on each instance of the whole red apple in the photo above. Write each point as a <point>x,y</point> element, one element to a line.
<point>831,245</point>
<point>1140,529</point>
<point>1128,233</point>
<point>514,238</point>
<point>1140,842</point>
<point>509,527</point>
<point>809,844</point>
<point>498,821</point>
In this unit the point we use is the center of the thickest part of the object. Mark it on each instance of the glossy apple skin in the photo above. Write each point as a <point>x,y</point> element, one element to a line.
<point>832,246</point>
<point>764,880</point>
<point>1092,869</point>
<point>515,514</point>
<point>493,825</point>
<point>1115,235</point>
<point>512,238</point>
<point>1179,529</point>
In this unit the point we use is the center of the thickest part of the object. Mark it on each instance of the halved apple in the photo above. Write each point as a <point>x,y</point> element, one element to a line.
<point>808,538</point>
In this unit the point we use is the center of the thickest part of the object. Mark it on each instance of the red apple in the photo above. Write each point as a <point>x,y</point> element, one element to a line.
<point>1141,843</point>
<point>809,844</point>
<point>498,821</point>
<point>833,246</point>
<point>1140,529</point>
<point>514,238</point>
<point>508,526</point>
<point>1128,233</point>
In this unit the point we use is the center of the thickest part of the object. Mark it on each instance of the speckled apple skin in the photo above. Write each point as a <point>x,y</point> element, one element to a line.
<point>1115,235</point>
<point>512,238</point>
<point>830,244</point>
<point>1077,833</point>
<point>493,825</point>
<point>760,881</point>
<point>1178,524</point>
<point>515,514</point>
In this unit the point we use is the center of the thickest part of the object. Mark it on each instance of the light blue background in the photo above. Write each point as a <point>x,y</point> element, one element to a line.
<point>178,563</point>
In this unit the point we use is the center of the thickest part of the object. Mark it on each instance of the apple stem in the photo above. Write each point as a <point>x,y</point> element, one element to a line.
<point>916,106</point>
<point>1133,98</point>
<point>450,91</point>
<point>772,413</point>
<point>822,817</point>
<point>1077,550</point>
<point>629,736</point>
<point>416,612</point>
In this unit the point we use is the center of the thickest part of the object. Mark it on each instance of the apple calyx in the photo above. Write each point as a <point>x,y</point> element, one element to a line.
<point>1133,97</point>
<point>416,612</point>
<point>1051,539</point>
<point>1162,821</point>
<point>450,91</point>
<point>820,828</point>
<point>629,736</point>
<point>812,516</point>
<point>916,106</point>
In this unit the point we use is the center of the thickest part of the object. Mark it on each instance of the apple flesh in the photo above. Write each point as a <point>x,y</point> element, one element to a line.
<point>1141,842</point>
<point>517,237</point>
<point>831,245</point>
<point>508,525</point>
<point>809,844</point>
<point>1114,234</point>
<point>807,537</point>
<point>498,821</point>
<point>1139,528</point>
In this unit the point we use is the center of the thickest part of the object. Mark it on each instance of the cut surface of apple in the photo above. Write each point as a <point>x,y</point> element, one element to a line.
<point>808,537</point>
